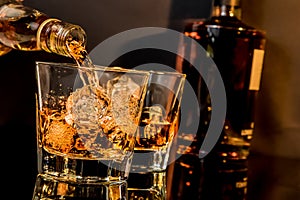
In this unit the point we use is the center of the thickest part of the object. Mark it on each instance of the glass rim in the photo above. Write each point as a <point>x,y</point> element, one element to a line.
<point>158,72</point>
<point>96,68</point>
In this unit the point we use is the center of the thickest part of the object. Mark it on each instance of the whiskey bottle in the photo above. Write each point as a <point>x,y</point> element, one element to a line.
<point>237,49</point>
<point>27,29</point>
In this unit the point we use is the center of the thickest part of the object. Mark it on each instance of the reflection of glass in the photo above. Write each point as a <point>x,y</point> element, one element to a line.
<point>159,125</point>
<point>86,124</point>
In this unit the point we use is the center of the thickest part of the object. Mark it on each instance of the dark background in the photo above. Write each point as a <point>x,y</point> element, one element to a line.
<point>277,130</point>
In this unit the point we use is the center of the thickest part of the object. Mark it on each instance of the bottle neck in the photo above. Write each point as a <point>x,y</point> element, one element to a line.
<point>62,38</point>
<point>227,8</point>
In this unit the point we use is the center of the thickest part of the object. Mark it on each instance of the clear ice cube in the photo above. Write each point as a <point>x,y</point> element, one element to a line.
<point>124,93</point>
<point>105,115</point>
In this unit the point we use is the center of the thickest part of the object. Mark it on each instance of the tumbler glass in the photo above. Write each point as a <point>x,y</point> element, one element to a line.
<point>158,127</point>
<point>86,125</point>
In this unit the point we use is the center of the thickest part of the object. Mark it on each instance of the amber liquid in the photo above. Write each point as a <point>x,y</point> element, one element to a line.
<point>156,130</point>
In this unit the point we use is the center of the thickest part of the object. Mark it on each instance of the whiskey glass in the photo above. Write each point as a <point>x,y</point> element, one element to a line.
<point>158,127</point>
<point>86,124</point>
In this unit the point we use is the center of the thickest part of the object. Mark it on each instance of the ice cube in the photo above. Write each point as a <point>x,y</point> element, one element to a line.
<point>86,105</point>
<point>124,95</point>
<point>103,116</point>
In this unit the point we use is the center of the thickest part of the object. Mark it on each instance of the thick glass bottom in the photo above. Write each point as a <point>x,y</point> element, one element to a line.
<point>83,170</point>
<point>49,188</point>
<point>149,185</point>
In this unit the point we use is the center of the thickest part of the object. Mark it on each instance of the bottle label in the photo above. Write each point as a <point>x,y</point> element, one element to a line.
<point>256,70</point>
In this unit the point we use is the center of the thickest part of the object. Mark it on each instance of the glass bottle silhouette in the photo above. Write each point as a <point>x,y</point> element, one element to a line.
<point>238,52</point>
<point>27,29</point>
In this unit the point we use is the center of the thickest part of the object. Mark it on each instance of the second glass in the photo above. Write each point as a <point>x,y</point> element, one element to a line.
<point>158,127</point>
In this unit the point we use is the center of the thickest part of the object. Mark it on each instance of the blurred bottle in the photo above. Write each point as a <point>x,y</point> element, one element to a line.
<point>238,52</point>
<point>27,29</point>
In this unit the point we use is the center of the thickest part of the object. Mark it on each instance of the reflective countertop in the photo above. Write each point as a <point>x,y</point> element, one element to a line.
<point>266,178</point>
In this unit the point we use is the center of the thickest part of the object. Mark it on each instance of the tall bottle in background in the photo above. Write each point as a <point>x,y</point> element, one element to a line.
<point>238,52</point>
<point>27,29</point>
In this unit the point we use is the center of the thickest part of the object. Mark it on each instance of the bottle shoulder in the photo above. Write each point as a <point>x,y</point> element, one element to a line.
<point>224,23</point>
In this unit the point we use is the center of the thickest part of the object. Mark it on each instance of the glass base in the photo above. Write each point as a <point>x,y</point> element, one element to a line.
<point>49,188</point>
<point>147,186</point>
<point>145,194</point>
